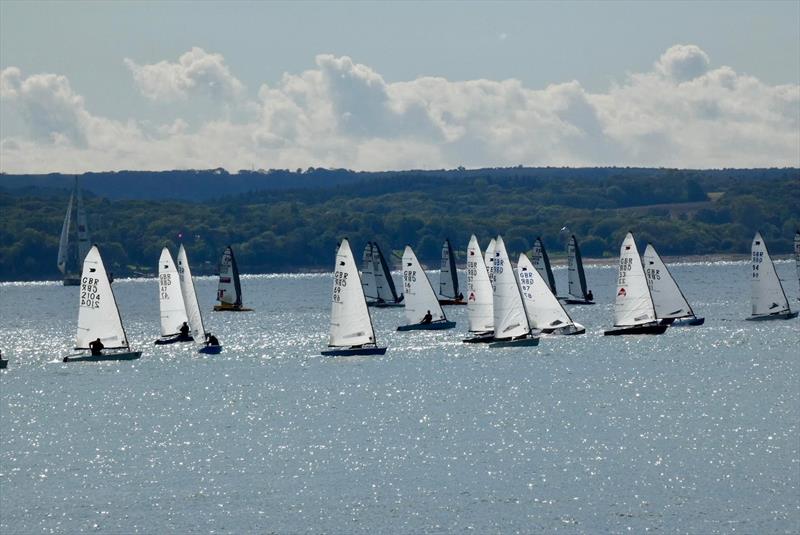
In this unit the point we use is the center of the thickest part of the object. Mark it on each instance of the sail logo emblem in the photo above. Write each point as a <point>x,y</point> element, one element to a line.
<point>472,253</point>
<point>471,296</point>
<point>622,292</point>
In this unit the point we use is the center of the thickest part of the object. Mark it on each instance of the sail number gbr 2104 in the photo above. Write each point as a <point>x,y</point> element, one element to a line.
<point>90,297</point>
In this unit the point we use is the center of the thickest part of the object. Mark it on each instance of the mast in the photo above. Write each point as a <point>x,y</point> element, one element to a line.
<point>63,244</point>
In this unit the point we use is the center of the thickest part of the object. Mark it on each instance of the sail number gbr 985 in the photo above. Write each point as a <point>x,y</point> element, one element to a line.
<point>339,283</point>
<point>90,297</point>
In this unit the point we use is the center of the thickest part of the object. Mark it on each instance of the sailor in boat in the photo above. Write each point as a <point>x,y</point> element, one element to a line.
<point>184,331</point>
<point>211,340</point>
<point>428,318</point>
<point>589,296</point>
<point>96,347</point>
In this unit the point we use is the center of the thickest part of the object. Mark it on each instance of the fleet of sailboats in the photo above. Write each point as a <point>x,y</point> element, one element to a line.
<point>73,245</point>
<point>634,311</point>
<point>448,278</point>
<point>351,331</point>
<point>671,305</point>
<point>422,310</point>
<point>100,329</point>
<point>768,298</point>
<point>229,290</point>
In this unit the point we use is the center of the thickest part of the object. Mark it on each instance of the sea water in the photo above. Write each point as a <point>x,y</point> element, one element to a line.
<point>693,431</point>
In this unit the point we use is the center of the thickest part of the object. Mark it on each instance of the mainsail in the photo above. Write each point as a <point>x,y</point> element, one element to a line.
<point>98,315</point>
<point>63,244</point>
<point>633,304</point>
<point>170,297</point>
<point>480,310</point>
<point>668,299</point>
<point>797,253</point>
<point>190,297</point>
<point>541,305</point>
<point>368,279</point>
<point>350,321</point>
<point>419,296</point>
<point>510,320</point>
<point>575,273</point>
<point>768,297</point>
<point>229,291</point>
<point>383,276</point>
<point>448,277</point>
<point>541,262</point>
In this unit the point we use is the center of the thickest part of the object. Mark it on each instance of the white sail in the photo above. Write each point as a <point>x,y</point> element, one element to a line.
<point>488,257</point>
<point>633,304</point>
<point>543,308</point>
<point>190,297</point>
<point>667,297</point>
<point>170,297</point>
<point>368,268</point>
<point>84,240</point>
<point>383,276</point>
<point>510,320</point>
<point>575,273</point>
<point>541,262</point>
<point>797,253</point>
<point>350,321</point>
<point>480,309</point>
<point>419,295</point>
<point>767,293</point>
<point>63,244</point>
<point>98,315</point>
<point>229,290</point>
<point>448,277</point>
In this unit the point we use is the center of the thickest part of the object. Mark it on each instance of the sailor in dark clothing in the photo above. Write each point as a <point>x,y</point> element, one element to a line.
<point>460,297</point>
<point>427,318</point>
<point>589,295</point>
<point>184,331</point>
<point>96,347</point>
<point>211,340</point>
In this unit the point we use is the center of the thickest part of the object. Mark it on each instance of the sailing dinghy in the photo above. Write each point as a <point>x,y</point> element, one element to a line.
<point>541,262</point>
<point>98,316</point>
<point>71,252</point>
<point>351,330</point>
<point>768,298</point>
<point>544,311</point>
<point>384,284</point>
<point>480,309</point>
<point>193,314</point>
<point>170,301</point>
<point>448,278</point>
<point>511,326</point>
<point>368,275</point>
<point>578,294</point>
<point>671,305</point>
<point>229,291</point>
<point>634,311</point>
<point>423,310</point>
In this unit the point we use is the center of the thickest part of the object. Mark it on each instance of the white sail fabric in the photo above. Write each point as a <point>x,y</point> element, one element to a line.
<point>448,277</point>
<point>190,297</point>
<point>541,262</point>
<point>575,273</point>
<point>63,244</point>
<point>797,253</point>
<point>543,308</point>
<point>368,280</point>
<point>480,308</point>
<point>488,257</point>
<point>419,295</point>
<point>767,293</point>
<point>383,276</point>
<point>510,320</point>
<point>170,297</point>
<point>667,297</point>
<point>98,315</point>
<point>350,321</point>
<point>84,240</point>
<point>229,290</point>
<point>633,304</point>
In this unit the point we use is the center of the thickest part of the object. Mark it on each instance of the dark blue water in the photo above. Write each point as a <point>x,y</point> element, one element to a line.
<point>694,431</point>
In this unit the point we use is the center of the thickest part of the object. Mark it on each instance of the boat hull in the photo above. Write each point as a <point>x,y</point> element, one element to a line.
<point>173,340</point>
<point>452,302</point>
<point>654,328</point>
<point>434,326</point>
<point>125,355</point>
<point>781,316</point>
<point>480,338</point>
<point>231,308</point>
<point>72,281</point>
<point>210,350</point>
<point>567,330</point>
<point>3,364</point>
<point>385,304</point>
<point>571,301</point>
<point>354,351</point>
<point>684,322</point>
<point>527,341</point>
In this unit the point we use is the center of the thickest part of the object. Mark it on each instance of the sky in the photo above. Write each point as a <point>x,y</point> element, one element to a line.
<point>100,86</point>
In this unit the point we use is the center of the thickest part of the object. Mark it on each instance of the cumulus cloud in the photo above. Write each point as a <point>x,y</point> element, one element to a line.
<point>196,72</point>
<point>682,113</point>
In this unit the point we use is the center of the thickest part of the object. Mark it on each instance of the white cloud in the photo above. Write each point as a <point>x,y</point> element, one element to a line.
<point>196,72</point>
<point>682,113</point>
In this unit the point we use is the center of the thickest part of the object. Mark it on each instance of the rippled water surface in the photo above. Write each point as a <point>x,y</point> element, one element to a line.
<point>693,431</point>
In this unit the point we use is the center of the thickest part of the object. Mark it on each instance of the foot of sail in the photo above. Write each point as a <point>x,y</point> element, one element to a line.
<point>127,355</point>
<point>652,328</point>
<point>354,351</point>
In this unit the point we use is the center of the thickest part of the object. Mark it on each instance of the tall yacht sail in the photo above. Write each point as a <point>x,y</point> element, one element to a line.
<point>670,303</point>
<point>448,278</point>
<point>422,310</point>
<point>578,293</point>
<point>170,301</point>
<point>543,308</point>
<point>541,262</point>
<point>368,281</point>
<point>797,253</point>
<point>634,311</point>
<point>199,332</point>
<point>768,298</point>
<point>229,289</point>
<point>511,326</point>
<point>387,293</point>
<point>63,243</point>
<point>480,309</point>
<point>72,249</point>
